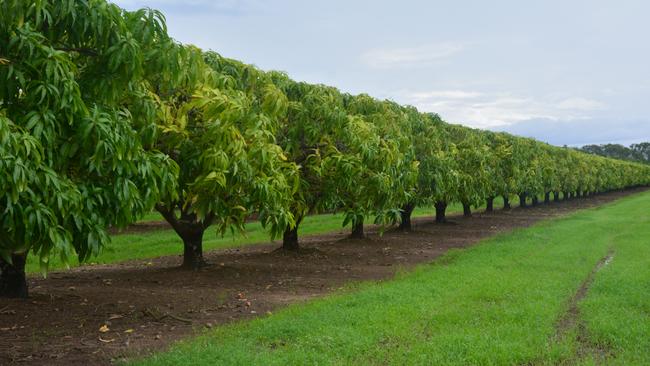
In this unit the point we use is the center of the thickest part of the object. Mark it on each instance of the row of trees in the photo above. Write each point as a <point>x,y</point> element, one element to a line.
<point>636,152</point>
<point>104,117</point>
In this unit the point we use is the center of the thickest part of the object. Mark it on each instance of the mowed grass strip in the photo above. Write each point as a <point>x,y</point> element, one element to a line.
<point>616,310</point>
<point>146,245</point>
<point>497,303</point>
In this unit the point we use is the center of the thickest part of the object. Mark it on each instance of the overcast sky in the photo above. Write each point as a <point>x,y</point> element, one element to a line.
<point>565,72</point>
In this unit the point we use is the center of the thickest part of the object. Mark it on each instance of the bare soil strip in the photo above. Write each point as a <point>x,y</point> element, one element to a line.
<point>571,320</point>
<point>95,315</point>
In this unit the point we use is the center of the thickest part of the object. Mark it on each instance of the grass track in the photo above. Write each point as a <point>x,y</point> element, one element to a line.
<point>497,303</point>
<point>616,310</point>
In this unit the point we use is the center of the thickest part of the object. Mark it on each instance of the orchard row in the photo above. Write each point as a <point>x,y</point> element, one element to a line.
<point>103,117</point>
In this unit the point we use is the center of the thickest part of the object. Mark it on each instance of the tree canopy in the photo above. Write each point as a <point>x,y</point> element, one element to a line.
<point>76,154</point>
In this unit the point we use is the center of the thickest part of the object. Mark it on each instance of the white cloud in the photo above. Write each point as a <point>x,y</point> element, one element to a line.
<point>580,104</point>
<point>487,110</point>
<point>449,94</point>
<point>413,56</point>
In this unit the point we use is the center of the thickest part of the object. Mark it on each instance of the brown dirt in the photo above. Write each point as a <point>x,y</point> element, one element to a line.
<point>147,305</point>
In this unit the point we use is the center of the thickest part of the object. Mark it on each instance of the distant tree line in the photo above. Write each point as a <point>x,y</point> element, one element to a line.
<point>636,152</point>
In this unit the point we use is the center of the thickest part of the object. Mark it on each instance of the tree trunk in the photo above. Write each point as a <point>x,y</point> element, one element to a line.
<point>489,207</point>
<point>506,203</point>
<point>441,207</point>
<point>547,197</point>
<point>522,200</point>
<point>290,237</point>
<point>13,282</point>
<point>567,196</point>
<point>193,247</point>
<point>357,230</point>
<point>556,197</point>
<point>407,210</point>
<point>467,210</point>
<point>535,200</point>
<point>190,229</point>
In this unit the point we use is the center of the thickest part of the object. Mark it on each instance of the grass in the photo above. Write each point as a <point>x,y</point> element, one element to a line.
<point>616,311</point>
<point>496,303</point>
<point>162,242</point>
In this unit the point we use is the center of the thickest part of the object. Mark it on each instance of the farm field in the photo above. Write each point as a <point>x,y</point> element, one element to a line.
<point>291,183</point>
<point>572,290</point>
<point>504,301</point>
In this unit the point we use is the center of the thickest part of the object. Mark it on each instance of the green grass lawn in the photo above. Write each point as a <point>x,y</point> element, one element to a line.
<point>496,303</point>
<point>165,242</point>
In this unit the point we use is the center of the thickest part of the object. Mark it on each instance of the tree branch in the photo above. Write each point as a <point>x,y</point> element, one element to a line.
<point>169,216</point>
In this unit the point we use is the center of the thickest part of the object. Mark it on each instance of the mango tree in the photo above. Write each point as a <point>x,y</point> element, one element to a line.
<point>425,139</point>
<point>528,182</point>
<point>446,173</point>
<point>569,180</point>
<point>75,148</point>
<point>219,128</point>
<point>311,137</point>
<point>381,169</point>
<point>473,175</point>
<point>500,169</point>
<point>548,171</point>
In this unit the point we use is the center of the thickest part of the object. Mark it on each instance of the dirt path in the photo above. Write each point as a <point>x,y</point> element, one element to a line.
<point>95,315</point>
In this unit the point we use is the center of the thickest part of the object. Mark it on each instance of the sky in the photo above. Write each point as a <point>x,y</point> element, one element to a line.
<point>565,72</point>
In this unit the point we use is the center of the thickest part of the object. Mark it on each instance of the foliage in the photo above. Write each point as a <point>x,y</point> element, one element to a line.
<point>219,127</point>
<point>75,142</point>
<point>380,149</point>
<point>636,152</point>
<point>472,156</point>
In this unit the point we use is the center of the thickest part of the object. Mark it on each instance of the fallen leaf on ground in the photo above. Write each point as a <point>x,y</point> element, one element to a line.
<point>104,328</point>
